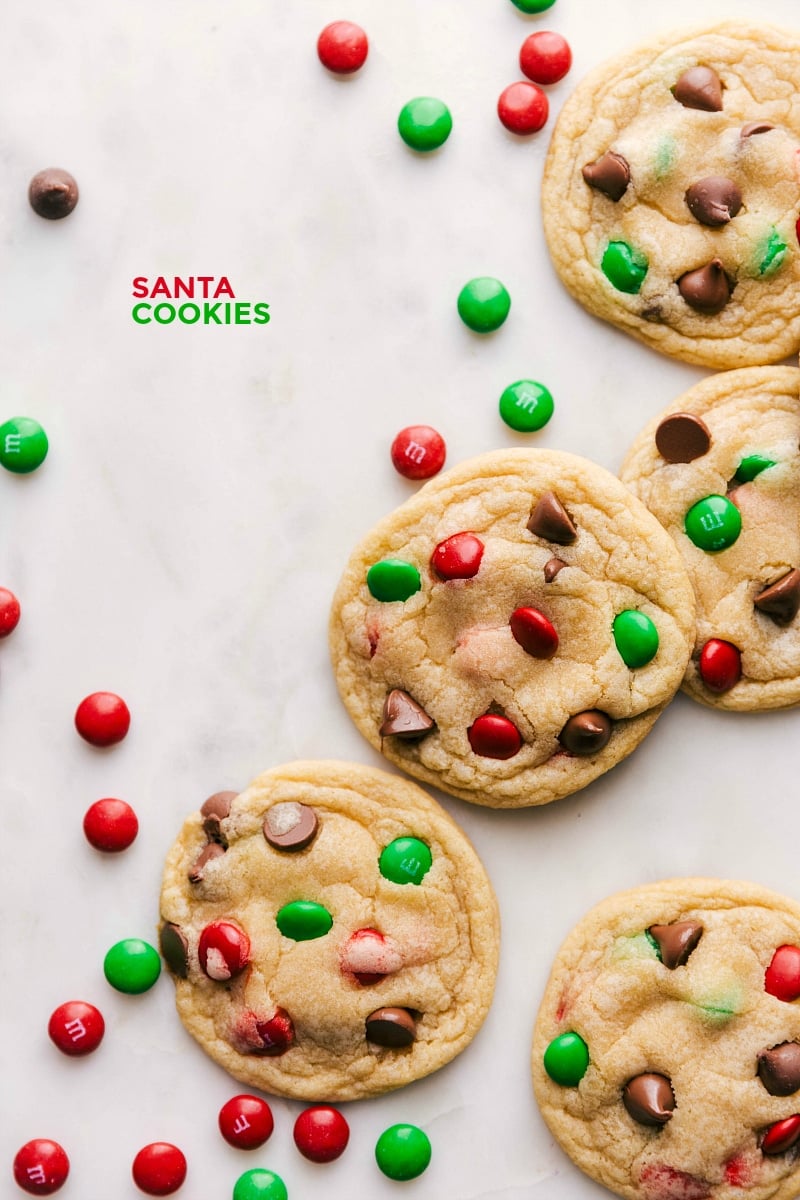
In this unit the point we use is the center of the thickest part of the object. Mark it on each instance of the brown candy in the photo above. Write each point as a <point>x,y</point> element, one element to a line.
<point>676,941</point>
<point>781,600</point>
<point>779,1069</point>
<point>174,949</point>
<point>609,175</point>
<point>403,717</point>
<point>551,521</point>
<point>699,87</point>
<point>209,852</point>
<point>53,193</point>
<point>551,568</point>
<point>586,733</point>
<point>707,289</point>
<point>682,437</point>
<point>290,826</point>
<point>714,200</point>
<point>753,127</point>
<point>391,1027</point>
<point>649,1099</point>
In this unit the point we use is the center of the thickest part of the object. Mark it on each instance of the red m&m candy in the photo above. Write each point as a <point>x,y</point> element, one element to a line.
<point>545,57</point>
<point>223,950</point>
<point>9,612</point>
<point>782,977</point>
<point>110,825</point>
<point>532,630</point>
<point>321,1133</point>
<point>523,108</point>
<point>781,1136</point>
<point>493,736</point>
<point>342,47</point>
<point>246,1122</point>
<point>720,665</point>
<point>77,1028</point>
<point>159,1169</point>
<point>458,557</point>
<point>41,1167</point>
<point>102,718</point>
<point>418,452</point>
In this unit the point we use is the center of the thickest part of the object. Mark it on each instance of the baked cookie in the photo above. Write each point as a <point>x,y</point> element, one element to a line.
<point>514,629</point>
<point>666,1053</point>
<point>721,471</point>
<point>671,193</point>
<point>331,931</point>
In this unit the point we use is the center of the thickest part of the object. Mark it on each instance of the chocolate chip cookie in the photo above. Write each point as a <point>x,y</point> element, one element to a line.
<point>331,932</point>
<point>671,194</point>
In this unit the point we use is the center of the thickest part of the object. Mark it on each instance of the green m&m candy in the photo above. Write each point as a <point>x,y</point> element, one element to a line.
<point>771,253</point>
<point>526,405</point>
<point>636,638</point>
<point>425,123</point>
<point>533,6</point>
<point>393,579</point>
<point>132,966</point>
<point>303,920</point>
<point>23,445</point>
<point>403,1152</point>
<point>624,267</point>
<point>714,523</point>
<point>405,860</point>
<point>566,1059</point>
<point>260,1184</point>
<point>752,465</point>
<point>483,304</point>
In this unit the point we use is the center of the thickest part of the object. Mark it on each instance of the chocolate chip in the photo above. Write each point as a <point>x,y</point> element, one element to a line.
<point>551,521</point>
<point>209,852</point>
<point>714,200</point>
<point>779,1069</point>
<point>753,127</point>
<point>216,809</point>
<point>781,600</point>
<point>391,1027</point>
<point>290,826</point>
<point>551,568</point>
<point>403,717</point>
<point>676,941</point>
<point>649,1099</point>
<point>708,289</point>
<point>682,437</point>
<point>53,193</point>
<point>174,949</point>
<point>609,175</point>
<point>586,733</point>
<point>699,87</point>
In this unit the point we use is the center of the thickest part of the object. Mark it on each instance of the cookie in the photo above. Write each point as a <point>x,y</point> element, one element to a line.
<point>514,629</point>
<point>331,932</point>
<point>666,1053</point>
<point>671,193</point>
<point>721,471</point>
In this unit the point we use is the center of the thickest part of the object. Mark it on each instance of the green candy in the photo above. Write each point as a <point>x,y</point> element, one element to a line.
<point>771,253</point>
<point>666,152</point>
<point>132,966</point>
<point>533,6</point>
<point>751,466</point>
<point>624,267</point>
<point>653,942</point>
<point>393,579</point>
<point>566,1059</point>
<point>403,1152</point>
<point>303,920</point>
<point>526,405</point>
<point>260,1184</point>
<point>424,123</point>
<point>405,860</point>
<point>483,304</point>
<point>713,523</point>
<point>636,638</point>
<point>23,445</point>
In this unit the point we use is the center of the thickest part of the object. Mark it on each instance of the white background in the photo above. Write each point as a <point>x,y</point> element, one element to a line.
<point>203,491</point>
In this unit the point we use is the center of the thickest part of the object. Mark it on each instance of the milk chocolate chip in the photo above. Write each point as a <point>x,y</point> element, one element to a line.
<point>754,127</point>
<point>586,733</point>
<point>682,437</point>
<point>391,1027</point>
<point>779,1069</point>
<point>551,568</point>
<point>551,521</point>
<point>53,193</point>
<point>403,717</point>
<point>676,941</point>
<point>174,949</point>
<point>216,809</point>
<point>649,1099</point>
<point>290,826</point>
<point>781,600</point>
<point>706,290</point>
<point>609,175</point>
<point>209,852</point>
<point>699,87</point>
<point>714,200</point>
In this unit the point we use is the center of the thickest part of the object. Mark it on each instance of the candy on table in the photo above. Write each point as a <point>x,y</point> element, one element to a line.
<point>533,6</point>
<point>41,1167</point>
<point>321,1133</point>
<point>403,1152</point>
<point>424,123</point>
<point>246,1122</point>
<point>418,452</point>
<point>566,1059</point>
<point>523,108</point>
<point>53,193</point>
<point>110,825</point>
<point>342,47</point>
<point>9,612</point>
<point>23,445</point>
<point>483,304</point>
<point>720,665</point>
<point>545,57</point>
<point>76,1027</point>
<point>526,405</point>
<point>102,718</point>
<point>132,965</point>
<point>159,1169</point>
<point>260,1184</point>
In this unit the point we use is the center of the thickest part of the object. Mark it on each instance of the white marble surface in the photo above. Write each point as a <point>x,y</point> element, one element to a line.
<point>205,486</point>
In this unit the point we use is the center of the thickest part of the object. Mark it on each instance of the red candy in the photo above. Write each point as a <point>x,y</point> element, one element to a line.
<point>457,557</point>
<point>246,1122</point>
<point>545,57</point>
<point>720,665</point>
<point>41,1167</point>
<point>277,1034</point>
<point>159,1169</point>
<point>781,1136</point>
<point>110,825</point>
<point>102,719</point>
<point>77,1028</point>
<point>9,612</point>
<point>418,452</point>
<point>534,632</point>
<point>321,1133</point>
<point>523,108</point>
<point>782,977</point>
<point>493,736</point>
<point>342,47</point>
<point>224,950</point>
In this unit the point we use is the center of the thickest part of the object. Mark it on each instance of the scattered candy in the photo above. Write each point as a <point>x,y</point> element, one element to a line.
<point>526,406</point>
<point>424,123</point>
<point>402,717</point>
<point>649,1099</point>
<point>483,304</point>
<point>624,267</point>
<point>23,445</point>
<point>223,950</point>
<point>41,1167</point>
<point>682,437</point>
<point>713,523</point>
<point>458,557</point>
<point>9,612</point>
<point>102,719</point>
<point>782,977</point>
<point>701,88</point>
<point>566,1059</point>
<point>533,6</point>
<point>781,600</point>
<point>720,665</point>
<point>77,1028</point>
<point>493,736</point>
<point>53,193</point>
<point>290,826</point>
<point>405,860</point>
<point>781,1136</point>
<point>551,521</point>
<point>391,1027</point>
<point>675,942</point>
<point>260,1184</point>
<point>545,57</point>
<point>303,920</point>
<point>342,47</point>
<point>159,1169</point>
<point>523,108</point>
<point>246,1122</point>
<point>321,1133</point>
<point>779,1069</point>
<point>751,466</point>
<point>635,637</point>
<point>532,630</point>
<point>110,825</point>
<point>586,733</point>
<point>132,966</point>
<point>418,452</point>
<point>393,579</point>
<point>403,1152</point>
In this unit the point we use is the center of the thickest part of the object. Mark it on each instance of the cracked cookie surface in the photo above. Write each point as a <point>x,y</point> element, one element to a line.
<point>733,439</point>
<point>671,194</point>
<point>331,931</point>
<point>513,630</point>
<point>666,1052</point>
